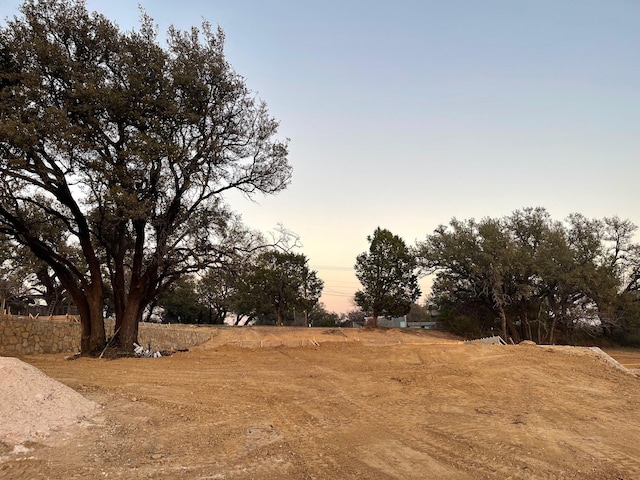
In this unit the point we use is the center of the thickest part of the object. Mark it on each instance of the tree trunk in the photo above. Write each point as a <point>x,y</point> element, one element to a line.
<point>528,332</point>
<point>92,337</point>
<point>552,331</point>
<point>373,321</point>
<point>85,331</point>
<point>515,335</point>
<point>539,320</point>
<point>503,321</point>
<point>128,334</point>
<point>118,286</point>
<point>97,337</point>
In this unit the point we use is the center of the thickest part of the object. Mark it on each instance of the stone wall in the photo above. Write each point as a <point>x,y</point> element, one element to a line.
<point>160,337</point>
<point>30,336</point>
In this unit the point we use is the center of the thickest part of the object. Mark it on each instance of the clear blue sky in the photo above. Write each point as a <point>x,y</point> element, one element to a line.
<point>405,114</point>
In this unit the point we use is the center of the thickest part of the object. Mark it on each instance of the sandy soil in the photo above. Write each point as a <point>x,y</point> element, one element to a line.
<point>314,404</point>
<point>32,405</point>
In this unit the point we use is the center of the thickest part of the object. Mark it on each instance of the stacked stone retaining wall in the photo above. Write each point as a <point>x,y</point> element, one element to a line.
<point>31,336</point>
<point>160,337</point>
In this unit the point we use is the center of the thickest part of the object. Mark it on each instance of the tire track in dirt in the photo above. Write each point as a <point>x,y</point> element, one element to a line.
<point>457,443</point>
<point>343,410</point>
<point>433,453</point>
<point>603,454</point>
<point>425,452</point>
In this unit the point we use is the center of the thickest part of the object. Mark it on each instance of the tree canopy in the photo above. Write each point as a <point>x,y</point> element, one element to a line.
<point>530,277</point>
<point>128,147</point>
<point>388,276</point>
<point>277,284</point>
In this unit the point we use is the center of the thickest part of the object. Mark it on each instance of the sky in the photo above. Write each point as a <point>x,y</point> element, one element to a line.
<point>405,114</point>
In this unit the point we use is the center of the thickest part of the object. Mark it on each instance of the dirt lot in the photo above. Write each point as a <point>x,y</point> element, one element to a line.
<point>338,404</point>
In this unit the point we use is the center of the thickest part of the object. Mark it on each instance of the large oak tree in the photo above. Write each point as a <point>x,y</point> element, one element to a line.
<point>532,277</point>
<point>130,145</point>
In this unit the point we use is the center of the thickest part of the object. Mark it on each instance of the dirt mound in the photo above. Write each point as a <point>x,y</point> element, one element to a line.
<point>32,405</point>
<point>265,337</point>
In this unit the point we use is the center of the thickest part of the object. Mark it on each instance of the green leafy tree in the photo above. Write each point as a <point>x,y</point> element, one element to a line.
<point>387,274</point>
<point>353,318</point>
<point>473,261</point>
<point>529,276</point>
<point>319,316</point>
<point>221,286</point>
<point>182,304</point>
<point>626,312</point>
<point>538,242</point>
<point>217,289</point>
<point>130,146</point>
<point>276,284</point>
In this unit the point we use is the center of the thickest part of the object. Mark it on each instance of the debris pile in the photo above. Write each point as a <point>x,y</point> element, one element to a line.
<point>145,352</point>
<point>495,340</point>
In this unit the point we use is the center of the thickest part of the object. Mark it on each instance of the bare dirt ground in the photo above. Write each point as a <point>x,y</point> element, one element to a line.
<point>345,404</point>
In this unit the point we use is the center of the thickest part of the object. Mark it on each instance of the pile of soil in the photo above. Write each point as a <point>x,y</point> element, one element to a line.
<point>33,405</point>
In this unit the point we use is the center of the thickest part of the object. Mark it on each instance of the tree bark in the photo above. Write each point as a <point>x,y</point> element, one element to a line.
<point>97,337</point>
<point>92,337</point>
<point>373,321</point>
<point>515,335</point>
<point>552,331</point>
<point>88,295</point>
<point>131,316</point>
<point>128,333</point>
<point>503,321</point>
